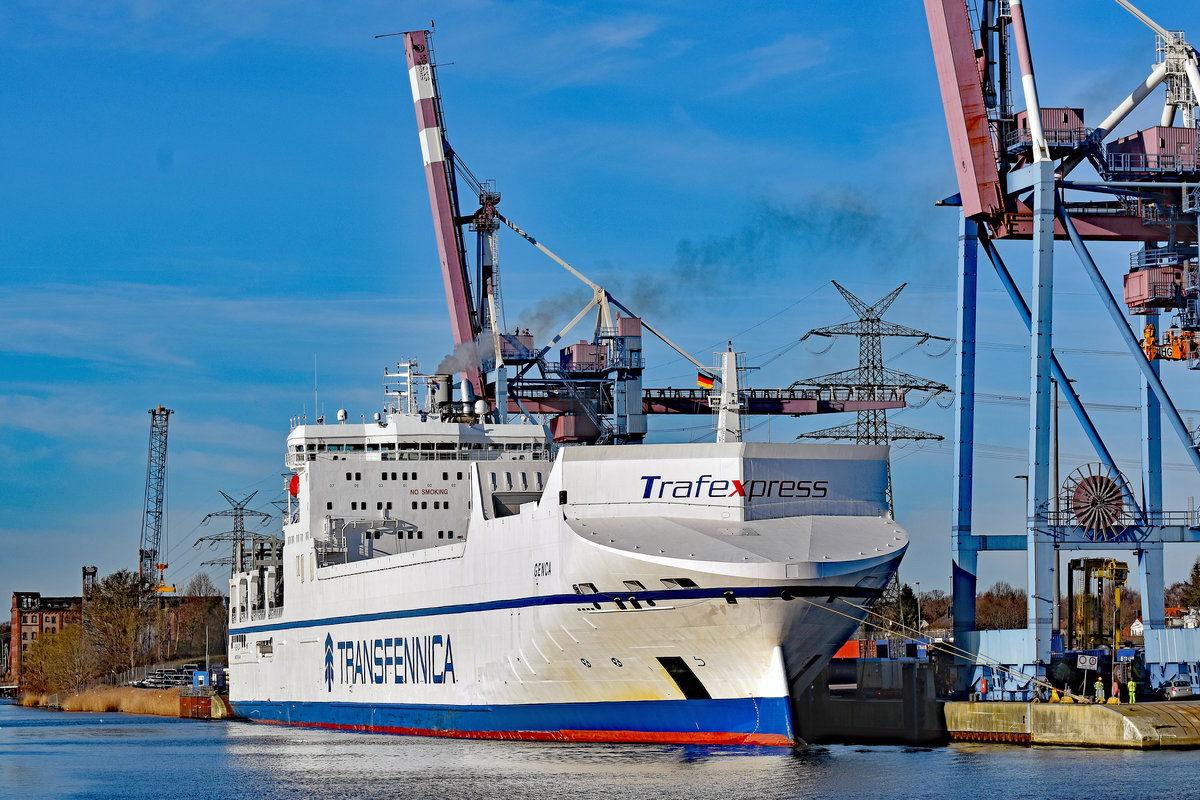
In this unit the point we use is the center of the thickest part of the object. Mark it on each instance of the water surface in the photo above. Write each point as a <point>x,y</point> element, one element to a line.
<point>48,754</point>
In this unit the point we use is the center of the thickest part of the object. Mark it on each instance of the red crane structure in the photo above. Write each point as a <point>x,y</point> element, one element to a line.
<point>593,390</point>
<point>1014,173</point>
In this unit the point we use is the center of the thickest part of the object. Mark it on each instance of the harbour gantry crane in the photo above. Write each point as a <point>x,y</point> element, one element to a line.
<point>1017,180</point>
<point>152,555</point>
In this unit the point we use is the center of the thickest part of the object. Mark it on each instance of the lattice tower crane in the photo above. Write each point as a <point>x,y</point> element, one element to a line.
<point>153,551</point>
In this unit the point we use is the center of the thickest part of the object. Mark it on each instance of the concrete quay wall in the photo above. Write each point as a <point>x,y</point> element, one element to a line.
<point>1140,726</point>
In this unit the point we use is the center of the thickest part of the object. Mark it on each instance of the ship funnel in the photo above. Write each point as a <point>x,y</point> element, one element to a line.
<point>441,390</point>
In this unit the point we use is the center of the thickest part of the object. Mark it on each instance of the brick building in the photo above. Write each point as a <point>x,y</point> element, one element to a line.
<point>33,615</point>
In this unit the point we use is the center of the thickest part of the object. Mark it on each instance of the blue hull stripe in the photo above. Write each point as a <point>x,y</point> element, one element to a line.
<point>749,592</point>
<point>755,719</point>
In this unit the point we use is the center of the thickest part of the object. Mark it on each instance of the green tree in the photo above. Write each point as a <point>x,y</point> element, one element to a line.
<point>116,620</point>
<point>1189,594</point>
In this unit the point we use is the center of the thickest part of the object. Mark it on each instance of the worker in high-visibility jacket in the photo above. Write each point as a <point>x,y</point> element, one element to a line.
<point>1099,690</point>
<point>1132,691</point>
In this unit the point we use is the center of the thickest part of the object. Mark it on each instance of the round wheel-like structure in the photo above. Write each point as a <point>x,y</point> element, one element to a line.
<point>1093,497</point>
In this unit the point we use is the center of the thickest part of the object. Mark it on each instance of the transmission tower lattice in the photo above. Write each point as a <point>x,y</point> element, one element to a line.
<point>238,534</point>
<point>871,375</point>
<point>154,525</point>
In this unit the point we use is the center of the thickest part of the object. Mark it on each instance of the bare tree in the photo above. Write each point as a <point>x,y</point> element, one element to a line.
<point>1001,606</point>
<point>61,662</point>
<point>201,586</point>
<point>116,620</point>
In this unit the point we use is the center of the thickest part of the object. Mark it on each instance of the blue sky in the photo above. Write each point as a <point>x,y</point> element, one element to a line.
<point>202,199</point>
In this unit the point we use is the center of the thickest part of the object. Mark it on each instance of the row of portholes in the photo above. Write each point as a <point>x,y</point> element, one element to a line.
<point>588,664</point>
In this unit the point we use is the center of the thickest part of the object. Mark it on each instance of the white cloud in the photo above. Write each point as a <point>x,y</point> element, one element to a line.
<point>791,54</point>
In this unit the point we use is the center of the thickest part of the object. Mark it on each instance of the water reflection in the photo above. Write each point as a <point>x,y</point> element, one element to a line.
<point>63,755</point>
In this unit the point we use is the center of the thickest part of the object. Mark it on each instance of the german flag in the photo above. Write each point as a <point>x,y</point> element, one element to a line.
<point>704,380</point>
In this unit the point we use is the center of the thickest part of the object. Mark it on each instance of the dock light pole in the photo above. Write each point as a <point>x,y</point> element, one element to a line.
<point>1026,479</point>
<point>918,583</point>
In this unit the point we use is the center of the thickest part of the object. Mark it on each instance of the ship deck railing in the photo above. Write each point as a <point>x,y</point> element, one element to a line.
<point>295,459</point>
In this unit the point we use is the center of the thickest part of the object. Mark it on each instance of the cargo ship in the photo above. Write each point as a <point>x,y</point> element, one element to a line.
<point>494,559</point>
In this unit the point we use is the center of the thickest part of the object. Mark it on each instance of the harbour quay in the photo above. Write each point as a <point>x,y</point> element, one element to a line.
<point>1144,726</point>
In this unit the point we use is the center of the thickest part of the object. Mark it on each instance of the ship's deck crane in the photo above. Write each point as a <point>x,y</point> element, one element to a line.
<point>152,555</point>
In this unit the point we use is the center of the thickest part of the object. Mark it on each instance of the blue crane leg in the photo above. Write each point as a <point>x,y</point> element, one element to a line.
<point>964,545</point>
<point>1040,547</point>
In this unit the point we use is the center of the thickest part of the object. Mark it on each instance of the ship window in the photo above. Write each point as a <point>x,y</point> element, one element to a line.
<point>414,476</point>
<point>424,505</point>
<point>414,505</point>
<point>539,480</point>
<point>389,505</point>
<point>584,588</point>
<point>372,447</point>
<point>320,447</point>
<point>420,534</point>
<point>441,534</point>
<point>311,447</point>
<point>405,476</point>
<point>347,476</point>
<point>460,476</point>
<point>383,476</point>
<point>354,505</point>
<point>358,476</point>
<point>493,476</point>
<point>634,586</point>
<point>508,479</point>
<point>524,481</point>
<point>679,583</point>
<point>450,534</point>
<point>445,476</point>
<point>329,506</point>
<point>379,506</point>
<point>393,476</point>
<point>388,446</point>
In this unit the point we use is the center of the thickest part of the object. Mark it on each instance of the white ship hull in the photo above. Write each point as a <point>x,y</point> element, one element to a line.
<point>653,593</point>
